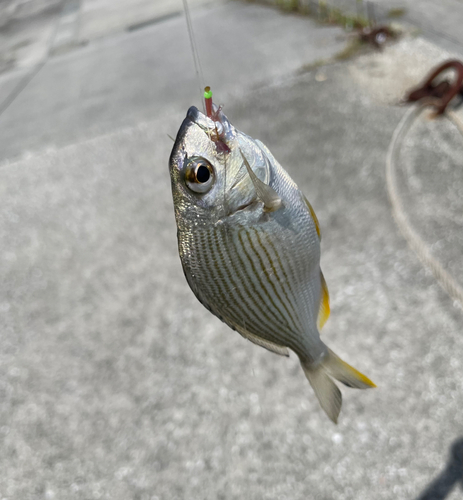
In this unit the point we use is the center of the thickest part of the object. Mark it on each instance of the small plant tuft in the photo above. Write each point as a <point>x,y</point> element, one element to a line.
<point>396,13</point>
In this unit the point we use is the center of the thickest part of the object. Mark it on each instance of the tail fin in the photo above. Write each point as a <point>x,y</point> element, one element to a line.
<point>328,394</point>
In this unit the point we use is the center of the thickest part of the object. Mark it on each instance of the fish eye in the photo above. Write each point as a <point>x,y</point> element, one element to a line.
<point>199,175</point>
<point>202,174</point>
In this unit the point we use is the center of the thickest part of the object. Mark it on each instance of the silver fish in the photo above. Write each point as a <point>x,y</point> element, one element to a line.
<point>249,243</point>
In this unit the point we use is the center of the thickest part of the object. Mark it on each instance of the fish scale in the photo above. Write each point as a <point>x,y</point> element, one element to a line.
<point>279,279</point>
<point>245,293</point>
<point>255,273</point>
<point>249,243</point>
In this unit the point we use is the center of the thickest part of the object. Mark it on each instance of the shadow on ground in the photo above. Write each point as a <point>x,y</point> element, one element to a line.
<point>449,478</point>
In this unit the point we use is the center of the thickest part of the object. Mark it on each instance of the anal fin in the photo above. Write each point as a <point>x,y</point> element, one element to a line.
<point>267,344</point>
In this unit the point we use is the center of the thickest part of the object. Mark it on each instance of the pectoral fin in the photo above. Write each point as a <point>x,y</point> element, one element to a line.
<point>324,311</point>
<point>266,194</point>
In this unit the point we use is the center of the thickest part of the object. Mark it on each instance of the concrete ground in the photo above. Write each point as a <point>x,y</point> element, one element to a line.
<point>115,382</point>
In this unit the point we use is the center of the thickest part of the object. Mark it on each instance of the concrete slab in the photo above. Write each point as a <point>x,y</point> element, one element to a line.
<point>440,21</point>
<point>100,18</point>
<point>116,383</point>
<point>26,28</point>
<point>122,80</point>
<point>10,81</point>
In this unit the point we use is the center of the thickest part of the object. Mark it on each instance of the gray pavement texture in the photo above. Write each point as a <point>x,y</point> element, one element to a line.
<point>441,21</point>
<point>116,383</point>
<point>26,26</point>
<point>120,80</point>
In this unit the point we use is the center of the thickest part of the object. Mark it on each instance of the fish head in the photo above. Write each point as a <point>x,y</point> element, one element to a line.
<point>209,178</point>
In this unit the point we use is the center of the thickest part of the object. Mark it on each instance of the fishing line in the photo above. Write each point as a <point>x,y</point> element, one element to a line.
<point>206,97</point>
<point>205,93</point>
<point>456,120</point>
<point>194,50</point>
<point>421,249</point>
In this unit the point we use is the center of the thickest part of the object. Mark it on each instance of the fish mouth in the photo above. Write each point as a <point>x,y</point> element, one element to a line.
<point>189,121</point>
<point>186,124</point>
<point>187,137</point>
<point>193,117</point>
<point>192,114</point>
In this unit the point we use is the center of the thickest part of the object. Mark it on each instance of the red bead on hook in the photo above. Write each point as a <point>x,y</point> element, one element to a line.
<point>208,101</point>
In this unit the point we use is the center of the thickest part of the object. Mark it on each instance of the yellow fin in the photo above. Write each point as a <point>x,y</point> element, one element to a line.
<point>324,311</point>
<point>328,394</point>
<point>345,373</point>
<point>314,217</point>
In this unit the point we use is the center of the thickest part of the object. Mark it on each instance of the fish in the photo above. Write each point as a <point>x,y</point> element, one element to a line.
<point>249,244</point>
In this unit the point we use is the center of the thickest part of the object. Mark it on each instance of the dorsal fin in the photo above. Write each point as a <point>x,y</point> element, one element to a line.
<point>324,311</point>
<point>314,217</point>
